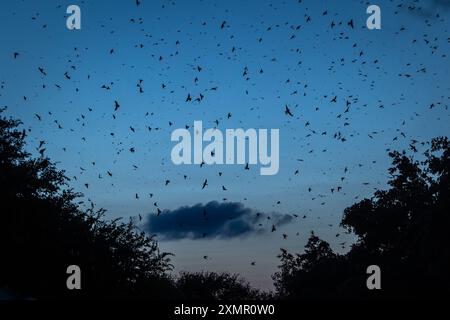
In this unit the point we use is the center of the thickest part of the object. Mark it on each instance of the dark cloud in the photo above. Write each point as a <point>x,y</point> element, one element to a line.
<point>212,220</point>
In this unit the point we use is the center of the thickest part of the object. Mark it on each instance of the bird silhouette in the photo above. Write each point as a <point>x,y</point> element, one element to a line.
<point>288,111</point>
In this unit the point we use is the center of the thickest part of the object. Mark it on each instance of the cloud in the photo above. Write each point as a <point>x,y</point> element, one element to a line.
<point>212,220</point>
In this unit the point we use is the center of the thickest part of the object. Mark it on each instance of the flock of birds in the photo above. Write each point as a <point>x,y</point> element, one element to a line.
<point>340,105</point>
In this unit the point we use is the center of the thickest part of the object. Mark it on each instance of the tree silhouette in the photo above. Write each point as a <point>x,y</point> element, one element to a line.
<point>43,231</point>
<point>216,286</point>
<point>404,230</point>
<point>309,275</point>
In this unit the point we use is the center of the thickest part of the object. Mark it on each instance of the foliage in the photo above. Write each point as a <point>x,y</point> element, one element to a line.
<point>43,231</point>
<point>404,230</point>
<point>216,286</point>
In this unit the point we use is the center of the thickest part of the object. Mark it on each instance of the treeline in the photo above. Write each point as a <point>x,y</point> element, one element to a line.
<point>403,230</point>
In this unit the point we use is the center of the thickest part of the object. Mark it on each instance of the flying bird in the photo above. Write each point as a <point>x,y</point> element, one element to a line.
<point>287,111</point>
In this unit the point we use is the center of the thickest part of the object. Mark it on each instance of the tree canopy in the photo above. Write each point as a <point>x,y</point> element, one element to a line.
<point>403,230</point>
<point>43,231</point>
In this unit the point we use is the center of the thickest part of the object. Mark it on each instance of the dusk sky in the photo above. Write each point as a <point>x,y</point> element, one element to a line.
<point>354,94</point>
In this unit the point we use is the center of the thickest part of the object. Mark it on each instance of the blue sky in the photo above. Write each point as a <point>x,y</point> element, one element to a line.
<point>390,77</point>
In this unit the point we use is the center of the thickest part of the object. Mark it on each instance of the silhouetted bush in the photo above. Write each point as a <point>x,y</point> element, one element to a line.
<point>216,286</point>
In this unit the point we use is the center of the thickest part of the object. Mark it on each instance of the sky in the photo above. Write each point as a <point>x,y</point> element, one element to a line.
<point>249,59</point>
